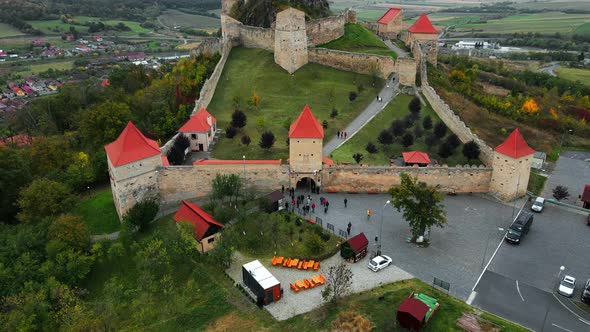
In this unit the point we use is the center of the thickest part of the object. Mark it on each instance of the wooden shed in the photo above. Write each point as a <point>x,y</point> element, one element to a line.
<point>355,248</point>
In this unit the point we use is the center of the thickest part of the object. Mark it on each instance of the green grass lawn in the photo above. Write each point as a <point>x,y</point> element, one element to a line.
<point>583,29</point>
<point>282,98</point>
<point>98,211</point>
<point>56,27</point>
<point>33,69</point>
<point>358,39</point>
<point>397,109</point>
<point>575,74</point>
<point>53,27</point>
<point>545,23</point>
<point>536,183</point>
<point>7,30</point>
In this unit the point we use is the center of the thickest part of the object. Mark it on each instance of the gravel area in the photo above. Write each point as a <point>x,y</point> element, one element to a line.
<point>292,304</point>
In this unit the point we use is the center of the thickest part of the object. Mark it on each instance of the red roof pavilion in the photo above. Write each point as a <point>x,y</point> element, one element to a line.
<point>131,146</point>
<point>306,126</point>
<point>422,25</point>
<point>416,157</point>
<point>389,15</point>
<point>203,222</point>
<point>198,122</point>
<point>515,146</point>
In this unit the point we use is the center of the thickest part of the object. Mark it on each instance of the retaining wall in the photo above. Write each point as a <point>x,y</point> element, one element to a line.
<point>459,179</point>
<point>326,29</point>
<point>360,63</point>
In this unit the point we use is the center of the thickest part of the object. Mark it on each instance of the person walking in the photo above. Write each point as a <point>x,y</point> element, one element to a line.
<point>348,228</point>
<point>368,214</point>
<point>313,207</point>
<point>283,189</point>
<point>345,134</point>
<point>327,205</point>
<point>345,202</point>
<point>325,209</point>
<point>338,134</point>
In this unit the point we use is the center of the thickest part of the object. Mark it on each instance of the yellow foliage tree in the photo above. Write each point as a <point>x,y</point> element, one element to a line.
<point>530,107</point>
<point>255,99</point>
<point>553,113</point>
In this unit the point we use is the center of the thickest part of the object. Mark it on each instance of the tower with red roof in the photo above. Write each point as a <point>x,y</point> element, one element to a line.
<point>306,136</point>
<point>133,162</point>
<point>423,33</point>
<point>511,167</point>
<point>390,24</point>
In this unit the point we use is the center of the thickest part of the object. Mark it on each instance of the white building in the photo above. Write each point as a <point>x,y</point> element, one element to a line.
<point>471,44</point>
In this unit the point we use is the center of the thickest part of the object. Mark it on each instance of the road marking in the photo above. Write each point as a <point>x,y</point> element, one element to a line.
<point>519,293</point>
<point>584,321</point>
<point>561,327</point>
<point>570,310</point>
<point>471,298</point>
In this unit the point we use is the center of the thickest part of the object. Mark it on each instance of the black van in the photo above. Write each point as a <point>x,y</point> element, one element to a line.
<point>519,228</point>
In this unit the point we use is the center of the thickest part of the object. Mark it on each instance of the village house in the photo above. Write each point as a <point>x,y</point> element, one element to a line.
<point>200,130</point>
<point>207,230</point>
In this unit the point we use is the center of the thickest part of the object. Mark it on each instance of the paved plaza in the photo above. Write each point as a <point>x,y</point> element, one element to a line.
<point>572,170</point>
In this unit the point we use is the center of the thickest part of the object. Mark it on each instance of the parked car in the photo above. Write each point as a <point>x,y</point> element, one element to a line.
<point>538,204</point>
<point>519,228</point>
<point>585,297</point>
<point>379,263</point>
<point>567,286</point>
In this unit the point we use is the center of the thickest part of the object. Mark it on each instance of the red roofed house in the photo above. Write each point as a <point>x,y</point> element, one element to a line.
<point>133,162</point>
<point>390,24</point>
<point>206,229</point>
<point>511,167</point>
<point>416,158</point>
<point>306,136</point>
<point>200,130</point>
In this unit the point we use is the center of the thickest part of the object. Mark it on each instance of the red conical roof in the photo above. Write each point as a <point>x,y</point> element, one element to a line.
<point>515,146</point>
<point>306,126</point>
<point>131,146</point>
<point>423,25</point>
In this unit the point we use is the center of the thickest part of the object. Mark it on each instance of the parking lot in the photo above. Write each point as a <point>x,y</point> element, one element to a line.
<point>570,171</point>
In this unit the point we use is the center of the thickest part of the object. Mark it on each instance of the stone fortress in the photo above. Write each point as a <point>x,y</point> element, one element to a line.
<point>138,167</point>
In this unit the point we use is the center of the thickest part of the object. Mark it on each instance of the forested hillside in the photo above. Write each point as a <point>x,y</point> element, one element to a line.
<point>262,13</point>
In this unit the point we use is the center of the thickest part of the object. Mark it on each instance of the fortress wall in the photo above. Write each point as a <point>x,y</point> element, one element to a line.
<point>356,62</point>
<point>326,29</point>
<point>185,182</point>
<point>379,179</point>
<point>255,37</point>
<point>406,69</point>
<point>208,89</point>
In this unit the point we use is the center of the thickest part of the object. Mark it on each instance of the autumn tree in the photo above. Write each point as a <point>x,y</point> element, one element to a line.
<point>421,204</point>
<point>255,99</point>
<point>338,283</point>
<point>529,107</point>
<point>44,198</point>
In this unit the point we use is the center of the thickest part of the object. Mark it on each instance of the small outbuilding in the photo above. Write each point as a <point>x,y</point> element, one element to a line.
<point>261,282</point>
<point>276,201</point>
<point>416,158</point>
<point>207,230</point>
<point>355,248</point>
<point>200,130</point>
<point>539,159</point>
<point>416,310</point>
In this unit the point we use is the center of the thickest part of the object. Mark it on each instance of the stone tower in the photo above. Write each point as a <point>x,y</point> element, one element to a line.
<point>133,162</point>
<point>290,40</point>
<point>305,146</point>
<point>423,34</point>
<point>511,167</point>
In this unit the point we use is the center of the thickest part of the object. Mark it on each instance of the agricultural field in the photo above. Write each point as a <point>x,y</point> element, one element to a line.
<point>575,74</point>
<point>28,69</point>
<point>171,18</point>
<point>358,39</point>
<point>554,5</point>
<point>9,31</point>
<point>397,109</point>
<point>52,27</point>
<point>282,97</point>
<point>546,23</point>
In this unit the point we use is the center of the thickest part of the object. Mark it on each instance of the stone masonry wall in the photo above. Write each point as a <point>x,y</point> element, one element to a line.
<point>208,89</point>
<point>255,37</point>
<point>185,182</point>
<point>356,62</point>
<point>380,179</point>
<point>406,69</point>
<point>326,29</point>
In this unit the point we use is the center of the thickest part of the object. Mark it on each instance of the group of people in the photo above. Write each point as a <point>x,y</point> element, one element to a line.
<point>307,205</point>
<point>342,134</point>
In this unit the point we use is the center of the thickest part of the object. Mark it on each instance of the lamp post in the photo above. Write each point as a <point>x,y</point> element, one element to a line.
<point>485,252</point>
<point>244,163</point>
<point>561,269</point>
<point>381,227</point>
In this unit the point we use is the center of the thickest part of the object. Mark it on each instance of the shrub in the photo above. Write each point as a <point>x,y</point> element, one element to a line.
<point>440,129</point>
<point>453,141</point>
<point>325,124</point>
<point>398,128</point>
<point>408,121</point>
<point>560,192</point>
<point>267,140</point>
<point>471,150</point>
<point>141,214</point>
<point>427,122</point>
<point>333,113</point>
<point>431,140</point>
<point>418,131</point>
<point>238,119</point>
<point>385,137</point>
<point>414,106</point>
<point>352,96</point>
<point>230,132</point>
<point>314,244</point>
<point>407,140</point>
<point>357,157</point>
<point>246,140</point>
<point>371,148</point>
<point>445,150</point>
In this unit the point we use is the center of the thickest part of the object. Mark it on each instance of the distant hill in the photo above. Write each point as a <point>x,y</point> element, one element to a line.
<point>262,13</point>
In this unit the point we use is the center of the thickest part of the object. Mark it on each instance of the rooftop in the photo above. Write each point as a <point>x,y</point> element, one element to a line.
<point>389,15</point>
<point>422,25</point>
<point>131,146</point>
<point>515,146</point>
<point>306,126</point>
<point>199,122</point>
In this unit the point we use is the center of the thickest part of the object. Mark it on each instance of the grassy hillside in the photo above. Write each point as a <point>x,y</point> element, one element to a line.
<point>282,97</point>
<point>98,210</point>
<point>358,39</point>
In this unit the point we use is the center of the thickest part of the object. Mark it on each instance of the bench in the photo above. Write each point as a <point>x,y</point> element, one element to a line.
<point>294,288</point>
<point>316,266</point>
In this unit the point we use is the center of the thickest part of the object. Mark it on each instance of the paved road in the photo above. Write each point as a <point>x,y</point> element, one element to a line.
<point>387,94</point>
<point>571,170</point>
<point>400,53</point>
<point>519,282</point>
<point>553,66</point>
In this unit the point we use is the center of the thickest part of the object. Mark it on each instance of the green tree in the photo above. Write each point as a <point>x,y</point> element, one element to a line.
<point>407,140</point>
<point>427,122</point>
<point>226,186</point>
<point>267,140</point>
<point>51,155</point>
<point>69,266</point>
<point>102,124</point>
<point>14,174</point>
<point>471,150</point>
<point>68,232</point>
<point>421,204</point>
<point>44,198</point>
<point>141,214</point>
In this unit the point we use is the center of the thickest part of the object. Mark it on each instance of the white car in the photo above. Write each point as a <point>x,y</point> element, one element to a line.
<point>538,204</point>
<point>567,286</point>
<point>379,263</point>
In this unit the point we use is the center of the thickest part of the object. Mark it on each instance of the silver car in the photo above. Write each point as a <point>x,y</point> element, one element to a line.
<point>567,286</point>
<point>379,263</point>
<point>538,205</point>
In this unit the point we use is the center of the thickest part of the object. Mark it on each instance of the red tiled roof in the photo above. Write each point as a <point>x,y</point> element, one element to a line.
<point>389,15</point>
<point>327,161</point>
<point>236,162</point>
<point>306,126</point>
<point>165,161</point>
<point>416,157</point>
<point>586,194</point>
<point>196,216</point>
<point>18,140</point>
<point>515,146</point>
<point>198,122</point>
<point>422,25</point>
<point>358,242</point>
<point>131,146</point>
